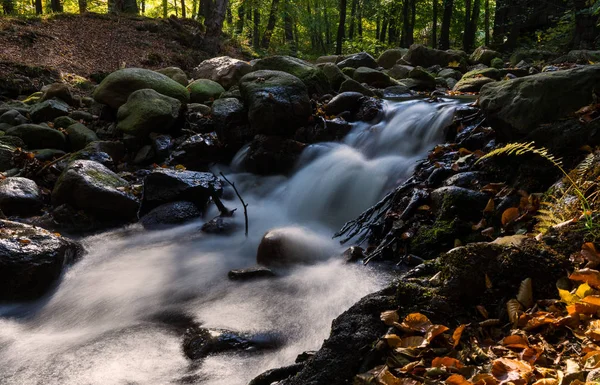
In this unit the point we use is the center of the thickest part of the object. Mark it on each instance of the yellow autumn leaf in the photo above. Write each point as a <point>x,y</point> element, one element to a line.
<point>567,297</point>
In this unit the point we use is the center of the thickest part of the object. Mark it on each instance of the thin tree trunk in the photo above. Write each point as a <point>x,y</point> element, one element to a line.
<point>327,25</point>
<point>56,6</point>
<point>487,23</point>
<point>467,25</point>
<point>241,13</point>
<point>435,23</point>
<point>194,8</point>
<point>229,15</point>
<point>469,35</point>
<point>447,19</point>
<point>393,25</point>
<point>8,6</point>
<point>165,7</point>
<point>359,19</point>
<point>341,28</point>
<point>405,23</point>
<point>266,39</point>
<point>256,31</point>
<point>288,28</point>
<point>214,26</point>
<point>143,7</point>
<point>183,11</point>
<point>384,27</point>
<point>82,6</point>
<point>586,29</point>
<point>352,19</point>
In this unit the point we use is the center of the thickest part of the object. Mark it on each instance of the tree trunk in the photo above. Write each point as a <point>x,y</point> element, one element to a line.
<point>435,23</point>
<point>183,12</point>
<point>447,19</point>
<point>56,6</point>
<point>143,3</point>
<point>467,25</point>
<point>194,8</point>
<point>384,27</point>
<point>256,31</point>
<point>266,39</point>
<point>288,30</point>
<point>214,25</point>
<point>359,20</point>
<point>352,19</point>
<point>393,25</point>
<point>471,27</point>
<point>9,7</point>
<point>82,6</point>
<point>165,7</point>
<point>487,23</point>
<point>341,28</point>
<point>229,15</point>
<point>408,27</point>
<point>241,14</point>
<point>327,25</point>
<point>586,30</point>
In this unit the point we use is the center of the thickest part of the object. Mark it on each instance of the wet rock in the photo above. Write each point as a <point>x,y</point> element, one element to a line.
<point>526,102</point>
<point>484,55</point>
<point>468,179</point>
<point>19,196</point>
<point>291,245</point>
<point>64,122</point>
<point>531,55</point>
<point>274,375</point>
<point>399,71</point>
<point>204,90</point>
<point>372,77</point>
<point>424,77</point>
<point>176,74</point>
<point>38,136</point>
<point>231,122</point>
<point>199,108</point>
<point>82,116</point>
<point>115,89</point>
<point>329,59</point>
<point>450,73</point>
<point>48,111</point>
<point>250,273</point>
<point>420,55</point>
<point>199,342</point>
<point>269,155</point>
<point>58,91</point>
<point>13,118</point>
<point>32,260</point>
<point>116,150</point>
<point>579,56</point>
<point>161,144</point>
<point>361,59</point>
<point>449,202</point>
<point>144,156</point>
<point>315,80</point>
<point>397,92</point>
<point>277,102</point>
<point>6,157</point>
<point>323,131</point>
<point>219,225</point>
<point>473,84</point>
<point>198,151</point>
<point>147,111</point>
<point>345,101</point>
<point>165,185</point>
<point>351,85</point>
<point>93,188</point>
<point>48,154</point>
<point>389,57</point>
<point>224,70</point>
<point>354,254</point>
<point>170,214</point>
<point>80,136</point>
<point>491,73</point>
<point>335,76</point>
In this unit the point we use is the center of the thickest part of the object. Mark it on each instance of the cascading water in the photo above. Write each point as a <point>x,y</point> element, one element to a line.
<point>101,325</point>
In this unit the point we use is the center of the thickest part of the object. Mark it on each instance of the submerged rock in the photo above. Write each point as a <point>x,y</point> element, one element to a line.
<point>250,273</point>
<point>170,214</point>
<point>32,259</point>
<point>292,245</point>
<point>199,342</point>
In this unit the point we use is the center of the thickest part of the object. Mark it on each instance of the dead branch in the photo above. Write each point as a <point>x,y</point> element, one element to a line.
<point>241,200</point>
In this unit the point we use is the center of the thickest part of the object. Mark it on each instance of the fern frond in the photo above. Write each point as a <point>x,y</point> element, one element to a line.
<point>548,218</point>
<point>524,148</point>
<point>584,167</point>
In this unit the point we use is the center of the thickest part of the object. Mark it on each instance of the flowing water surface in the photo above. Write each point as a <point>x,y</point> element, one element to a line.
<point>101,325</point>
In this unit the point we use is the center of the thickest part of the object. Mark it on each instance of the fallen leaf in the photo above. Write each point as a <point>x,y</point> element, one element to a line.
<point>457,379</point>
<point>457,334</point>
<point>448,362</point>
<point>390,317</point>
<point>489,208</point>
<point>432,332</point>
<point>488,282</point>
<point>509,215</point>
<point>508,370</point>
<point>515,341</point>
<point>525,294</point>
<point>589,276</point>
<point>513,307</point>
<point>416,322</point>
<point>393,340</point>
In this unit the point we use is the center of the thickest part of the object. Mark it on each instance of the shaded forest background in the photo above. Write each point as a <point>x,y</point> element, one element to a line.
<point>309,28</point>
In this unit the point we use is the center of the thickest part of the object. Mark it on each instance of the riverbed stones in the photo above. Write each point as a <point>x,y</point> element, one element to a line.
<point>290,246</point>
<point>13,118</point>
<point>19,196</point>
<point>48,110</point>
<point>58,91</point>
<point>198,151</point>
<point>176,74</point>
<point>351,85</point>
<point>524,103</point>
<point>38,136</point>
<point>372,77</point>
<point>420,55</point>
<point>334,74</point>
<point>399,71</point>
<point>224,70</point>
<point>315,80</point>
<point>170,214</point>
<point>473,84</point>
<point>271,155</point>
<point>361,59</point>
<point>450,202</point>
<point>32,260</point>
<point>204,90</point>
<point>165,185</point>
<point>115,89</point>
<point>389,57</point>
<point>147,111</point>
<point>231,121</point>
<point>277,102</point>
<point>484,55</point>
<point>92,187</point>
<point>80,136</point>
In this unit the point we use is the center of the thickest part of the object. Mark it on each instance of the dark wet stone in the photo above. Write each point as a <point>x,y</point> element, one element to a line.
<point>199,342</point>
<point>19,196</point>
<point>48,110</point>
<point>170,214</point>
<point>219,225</point>
<point>274,375</point>
<point>250,273</point>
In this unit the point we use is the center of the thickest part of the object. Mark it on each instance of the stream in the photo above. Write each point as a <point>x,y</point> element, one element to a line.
<point>104,323</point>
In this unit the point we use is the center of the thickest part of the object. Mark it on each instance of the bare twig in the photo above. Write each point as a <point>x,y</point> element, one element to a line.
<point>240,198</point>
<point>48,165</point>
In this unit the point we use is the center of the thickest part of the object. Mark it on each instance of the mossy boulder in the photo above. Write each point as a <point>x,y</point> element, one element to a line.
<point>420,55</point>
<point>492,73</point>
<point>115,89</point>
<point>89,186</point>
<point>58,91</point>
<point>484,55</point>
<point>399,71</point>
<point>176,74</point>
<point>277,102</point>
<point>204,90</point>
<point>389,57</point>
<point>147,111</point>
<point>335,76</point>
<point>531,55</point>
<point>373,77</point>
<point>351,85</point>
<point>524,103</point>
<point>79,136</point>
<point>497,63</point>
<point>473,84</point>
<point>38,136</point>
<point>361,59</point>
<point>312,76</point>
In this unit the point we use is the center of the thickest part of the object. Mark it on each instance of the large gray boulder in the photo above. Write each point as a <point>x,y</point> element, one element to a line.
<point>204,90</point>
<point>484,55</point>
<point>524,103</point>
<point>147,111</point>
<point>89,186</point>
<point>115,89</point>
<point>361,59</point>
<point>373,77</point>
<point>224,70</point>
<point>389,57</point>
<point>19,196</point>
<point>315,80</point>
<point>31,260</point>
<point>334,74</point>
<point>277,102</point>
<point>38,136</point>
<point>420,55</point>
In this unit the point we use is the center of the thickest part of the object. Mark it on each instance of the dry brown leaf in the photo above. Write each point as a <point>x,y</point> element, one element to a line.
<point>513,307</point>
<point>516,371</point>
<point>488,282</point>
<point>589,276</point>
<point>525,294</point>
<point>457,334</point>
<point>412,341</point>
<point>540,319</point>
<point>593,330</point>
<point>489,208</point>
<point>485,379</point>
<point>479,225</point>
<point>416,322</point>
<point>457,379</point>
<point>516,341</point>
<point>447,362</point>
<point>393,340</point>
<point>390,317</point>
<point>509,215</point>
<point>546,381</point>
<point>589,252</point>
<point>432,332</point>
<point>531,354</point>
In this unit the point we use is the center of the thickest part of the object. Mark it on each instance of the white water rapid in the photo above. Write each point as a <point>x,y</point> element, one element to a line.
<point>99,327</point>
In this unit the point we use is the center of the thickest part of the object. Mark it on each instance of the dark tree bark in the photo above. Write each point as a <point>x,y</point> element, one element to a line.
<point>82,6</point>
<point>8,7</point>
<point>183,11</point>
<point>393,25</point>
<point>359,19</point>
<point>241,14</point>
<point>352,19</point>
<point>446,20</point>
<point>384,27</point>
<point>214,25</point>
<point>341,28</point>
<point>487,23</point>
<point>266,39</point>
<point>288,28</point>
<point>467,21</point>
<point>194,8</point>
<point>507,24</point>
<point>256,30</point>
<point>143,4</point>
<point>435,24</point>
<point>408,23</point>
<point>469,35</point>
<point>165,8</point>
<point>56,6</point>
<point>205,7</point>
<point>328,37</point>
<point>586,29</point>
<point>229,15</point>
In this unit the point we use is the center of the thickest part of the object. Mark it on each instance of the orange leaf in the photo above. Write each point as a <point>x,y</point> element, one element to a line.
<point>490,206</point>
<point>588,251</point>
<point>592,300</point>
<point>447,362</point>
<point>531,354</point>
<point>457,379</point>
<point>540,319</point>
<point>457,334</point>
<point>546,381</point>
<point>24,241</point>
<point>582,308</point>
<point>509,215</point>
<point>416,322</point>
<point>593,331</point>
<point>590,276</point>
<point>515,341</point>
<point>485,379</point>
<point>432,332</point>
<point>515,371</point>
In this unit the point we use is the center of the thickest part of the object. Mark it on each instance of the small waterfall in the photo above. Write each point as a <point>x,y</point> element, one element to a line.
<point>100,325</point>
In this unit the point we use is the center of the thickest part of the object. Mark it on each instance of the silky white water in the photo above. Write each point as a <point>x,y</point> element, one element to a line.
<point>101,325</point>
